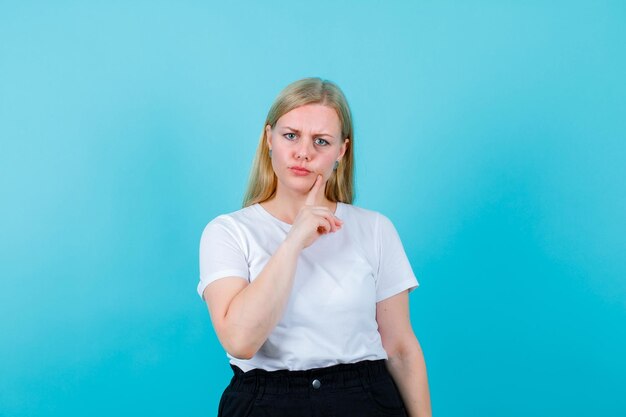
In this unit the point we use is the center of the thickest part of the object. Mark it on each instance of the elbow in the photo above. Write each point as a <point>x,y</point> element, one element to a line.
<point>240,342</point>
<point>240,347</point>
<point>403,350</point>
<point>241,353</point>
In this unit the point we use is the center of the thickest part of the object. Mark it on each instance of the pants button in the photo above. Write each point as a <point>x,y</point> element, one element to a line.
<point>316,384</point>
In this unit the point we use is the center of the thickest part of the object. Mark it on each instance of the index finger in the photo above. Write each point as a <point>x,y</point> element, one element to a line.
<point>312,197</point>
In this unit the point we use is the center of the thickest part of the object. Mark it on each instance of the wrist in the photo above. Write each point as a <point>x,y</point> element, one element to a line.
<point>290,245</point>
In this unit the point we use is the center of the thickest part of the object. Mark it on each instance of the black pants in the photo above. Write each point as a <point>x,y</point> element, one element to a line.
<point>360,389</point>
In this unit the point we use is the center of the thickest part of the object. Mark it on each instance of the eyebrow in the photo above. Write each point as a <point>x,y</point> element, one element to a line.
<point>315,134</point>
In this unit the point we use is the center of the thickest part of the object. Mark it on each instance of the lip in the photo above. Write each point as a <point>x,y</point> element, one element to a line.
<point>300,171</point>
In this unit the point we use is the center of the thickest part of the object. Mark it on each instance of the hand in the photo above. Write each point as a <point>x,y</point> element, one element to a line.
<point>313,220</point>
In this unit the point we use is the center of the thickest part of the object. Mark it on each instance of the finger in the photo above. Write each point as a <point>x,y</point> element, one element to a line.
<point>325,226</point>
<point>328,215</point>
<point>331,219</point>
<point>337,223</point>
<point>312,197</point>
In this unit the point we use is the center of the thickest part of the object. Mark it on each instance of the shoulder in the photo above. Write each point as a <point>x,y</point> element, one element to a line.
<point>233,221</point>
<point>363,215</point>
<point>359,212</point>
<point>370,222</point>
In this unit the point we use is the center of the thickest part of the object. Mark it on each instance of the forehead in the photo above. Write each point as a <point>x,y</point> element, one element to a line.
<point>311,117</point>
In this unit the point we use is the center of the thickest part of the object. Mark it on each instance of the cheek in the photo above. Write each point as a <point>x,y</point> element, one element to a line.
<point>278,156</point>
<point>326,164</point>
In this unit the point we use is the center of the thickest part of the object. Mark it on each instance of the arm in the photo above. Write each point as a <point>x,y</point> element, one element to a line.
<point>406,361</point>
<point>244,314</point>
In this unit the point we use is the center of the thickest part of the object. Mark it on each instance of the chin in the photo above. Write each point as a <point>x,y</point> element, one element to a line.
<point>300,185</point>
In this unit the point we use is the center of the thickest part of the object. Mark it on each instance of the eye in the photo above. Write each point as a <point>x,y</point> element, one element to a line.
<point>321,142</point>
<point>290,136</point>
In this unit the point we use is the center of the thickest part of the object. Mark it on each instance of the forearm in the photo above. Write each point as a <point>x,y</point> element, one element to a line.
<point>255,311</point>
<point>408,369</point>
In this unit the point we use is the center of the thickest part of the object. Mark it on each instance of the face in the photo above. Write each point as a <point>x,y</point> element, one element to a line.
<point>305,142</point>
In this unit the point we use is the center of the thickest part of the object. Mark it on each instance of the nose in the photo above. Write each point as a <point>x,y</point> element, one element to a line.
<point>304,151</point>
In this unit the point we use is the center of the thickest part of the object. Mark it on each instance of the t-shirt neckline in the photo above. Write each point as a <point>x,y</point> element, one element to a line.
<point>277,220</point>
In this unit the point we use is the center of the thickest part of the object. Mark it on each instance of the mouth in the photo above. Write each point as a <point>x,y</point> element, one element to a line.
<point>299,170</point>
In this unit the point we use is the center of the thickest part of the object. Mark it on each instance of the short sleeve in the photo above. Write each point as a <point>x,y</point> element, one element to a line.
<point>221,253</point>
<point>394,270</point>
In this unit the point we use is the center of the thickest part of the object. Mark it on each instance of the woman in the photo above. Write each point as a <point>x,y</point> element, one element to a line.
<point>307,293</point>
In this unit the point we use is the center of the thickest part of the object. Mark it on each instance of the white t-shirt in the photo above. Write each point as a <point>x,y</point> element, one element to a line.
<point>330,317</point>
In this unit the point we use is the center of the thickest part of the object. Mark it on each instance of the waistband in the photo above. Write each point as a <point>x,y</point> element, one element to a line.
<point>346,375</point>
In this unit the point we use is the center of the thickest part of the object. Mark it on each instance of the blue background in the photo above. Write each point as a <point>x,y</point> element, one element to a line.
<point>490,132</point>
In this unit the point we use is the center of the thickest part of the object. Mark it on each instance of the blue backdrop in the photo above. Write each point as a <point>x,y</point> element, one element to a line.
<point>490,132</point>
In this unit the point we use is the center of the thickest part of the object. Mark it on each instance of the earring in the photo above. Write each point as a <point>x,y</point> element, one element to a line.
<point>270,154</point>
<point>336,165</point>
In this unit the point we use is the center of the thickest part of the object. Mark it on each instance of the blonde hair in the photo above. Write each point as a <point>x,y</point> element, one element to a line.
<point>340,186</point>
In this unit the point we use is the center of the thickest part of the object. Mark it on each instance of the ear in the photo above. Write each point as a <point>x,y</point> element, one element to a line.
<point>344,148</point>
<point>268,136</point>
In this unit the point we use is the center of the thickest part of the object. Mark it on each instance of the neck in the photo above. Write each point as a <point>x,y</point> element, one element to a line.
<point>286,205</point>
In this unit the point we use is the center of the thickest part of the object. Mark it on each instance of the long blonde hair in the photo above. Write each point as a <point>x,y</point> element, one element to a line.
<point>340,186</point>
